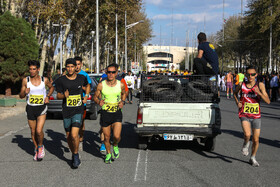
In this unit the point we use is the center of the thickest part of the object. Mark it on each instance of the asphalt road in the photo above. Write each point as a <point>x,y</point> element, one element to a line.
<point>162,164</point>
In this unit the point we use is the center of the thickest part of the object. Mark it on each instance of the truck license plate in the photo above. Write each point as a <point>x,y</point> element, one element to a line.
<point>180,137</point>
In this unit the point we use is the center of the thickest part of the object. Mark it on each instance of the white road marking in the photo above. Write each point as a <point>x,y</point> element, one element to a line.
<point>141,166</point>
<point>14,132</point>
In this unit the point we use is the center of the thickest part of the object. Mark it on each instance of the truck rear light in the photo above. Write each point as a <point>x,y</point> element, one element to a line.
<point>89,97</point>
<point>51,98</point>
<point>140,116</point>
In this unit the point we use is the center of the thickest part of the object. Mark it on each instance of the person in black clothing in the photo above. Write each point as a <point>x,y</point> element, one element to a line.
<point>206,62</point>
<point>70,89</point>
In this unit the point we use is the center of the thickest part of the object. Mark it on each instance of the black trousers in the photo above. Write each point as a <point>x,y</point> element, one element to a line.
<point>274,94</point>
<point>202,67</point>
<point>130,94</point>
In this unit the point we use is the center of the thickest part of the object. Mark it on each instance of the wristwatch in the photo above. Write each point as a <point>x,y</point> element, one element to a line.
<point>87,95</point>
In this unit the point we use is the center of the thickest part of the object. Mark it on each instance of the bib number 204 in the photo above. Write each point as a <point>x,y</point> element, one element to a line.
<point>251,108</point>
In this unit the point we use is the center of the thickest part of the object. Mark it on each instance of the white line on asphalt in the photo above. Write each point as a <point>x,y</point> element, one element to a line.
<point>141,167</point>
<point>13,132</point>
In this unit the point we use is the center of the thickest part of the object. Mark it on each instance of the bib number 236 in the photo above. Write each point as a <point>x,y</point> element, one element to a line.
<point>251,108</point>
<point>73,101</point>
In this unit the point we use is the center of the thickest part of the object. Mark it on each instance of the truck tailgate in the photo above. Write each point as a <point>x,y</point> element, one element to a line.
<point>177,113</point>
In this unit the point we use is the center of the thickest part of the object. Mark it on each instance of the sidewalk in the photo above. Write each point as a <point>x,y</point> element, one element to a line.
<point>6,112</point>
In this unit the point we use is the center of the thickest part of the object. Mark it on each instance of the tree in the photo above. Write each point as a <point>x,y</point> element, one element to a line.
<point>18,45</point>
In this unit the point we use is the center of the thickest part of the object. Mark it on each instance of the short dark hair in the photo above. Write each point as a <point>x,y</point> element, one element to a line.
<point>201,37</point>
<point>71,61</point>
<point>251,67</point>
<point>113,65</point>
<point>34,63</point>
<point>129,71</point>
<point>77,58</point>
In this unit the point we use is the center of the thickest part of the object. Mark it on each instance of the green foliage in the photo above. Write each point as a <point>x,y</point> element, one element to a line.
<point>17,46</point>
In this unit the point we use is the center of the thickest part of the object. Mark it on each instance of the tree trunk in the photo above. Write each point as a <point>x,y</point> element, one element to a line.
<point>44,49</point>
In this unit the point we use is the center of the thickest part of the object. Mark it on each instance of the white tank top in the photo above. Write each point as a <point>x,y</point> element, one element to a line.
<point>37,94</point>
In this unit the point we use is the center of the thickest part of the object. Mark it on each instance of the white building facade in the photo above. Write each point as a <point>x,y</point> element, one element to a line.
<point>165,57</point>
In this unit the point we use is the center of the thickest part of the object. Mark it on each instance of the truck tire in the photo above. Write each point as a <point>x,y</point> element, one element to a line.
<point>94,115</point>
<point>142,143</point>
<point>168,91</point>
<point>199,91</point>
<point>210,143</point>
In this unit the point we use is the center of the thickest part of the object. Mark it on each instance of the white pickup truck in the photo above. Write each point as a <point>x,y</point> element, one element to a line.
<point>181,108</point>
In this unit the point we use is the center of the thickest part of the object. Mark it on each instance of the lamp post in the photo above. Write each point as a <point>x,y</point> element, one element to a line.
<point>91,59</point>
<point>128,27</point>
<point>61,38</point>
<point>97,37</point>
<point>107,48</point>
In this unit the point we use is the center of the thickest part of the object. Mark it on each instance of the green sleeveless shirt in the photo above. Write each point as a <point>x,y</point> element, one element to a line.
<point>111,96</point>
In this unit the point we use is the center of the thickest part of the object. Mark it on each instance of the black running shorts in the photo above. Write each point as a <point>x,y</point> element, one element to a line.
<point>108,118</point>
<point>33,112</point>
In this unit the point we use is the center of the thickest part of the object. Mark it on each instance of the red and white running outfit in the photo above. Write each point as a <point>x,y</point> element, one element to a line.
<point>250,102</point>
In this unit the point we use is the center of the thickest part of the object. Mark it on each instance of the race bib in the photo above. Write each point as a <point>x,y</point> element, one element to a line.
<point>112,107</point>
<point>36,99</point>
<point>251,108</point>
<point>73,101</point>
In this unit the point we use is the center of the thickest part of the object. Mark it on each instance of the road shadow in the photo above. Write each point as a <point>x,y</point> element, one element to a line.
<point>193,146</point>
<point>273,143</point>
<point>25,144</point>
<point>91,144</point>
<point>129,137</point>
<point>55,145</point>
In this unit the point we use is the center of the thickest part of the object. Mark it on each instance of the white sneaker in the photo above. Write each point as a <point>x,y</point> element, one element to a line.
<point>81,146</point>
<point>245,151</point>
<point>254,162</point>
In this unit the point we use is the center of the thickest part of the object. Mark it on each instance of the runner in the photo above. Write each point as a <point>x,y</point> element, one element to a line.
<point>69,88</point>
<point>112,92</point>
<point>79,62</point>
<point>229,83</point>
<point>33,87</point>
<point>130,80</point>
<point>102,147</point>
<point>249,111</point>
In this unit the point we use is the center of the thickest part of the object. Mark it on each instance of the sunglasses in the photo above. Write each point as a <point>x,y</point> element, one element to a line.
<point>113,72</point>
<point>251,74</point>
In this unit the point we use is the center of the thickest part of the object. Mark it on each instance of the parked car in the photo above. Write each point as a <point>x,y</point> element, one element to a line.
<point>55,105</point>
<point>95,76</point>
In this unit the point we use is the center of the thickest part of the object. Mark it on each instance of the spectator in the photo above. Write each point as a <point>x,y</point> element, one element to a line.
<point>206,62</point>
<point>274,86</point>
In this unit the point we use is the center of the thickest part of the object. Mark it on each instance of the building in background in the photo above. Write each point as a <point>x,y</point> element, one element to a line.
<point>165,57</point>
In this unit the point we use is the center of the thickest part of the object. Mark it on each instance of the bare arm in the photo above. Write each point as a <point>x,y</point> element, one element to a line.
<point>200,53</point>
<point>262,92</point>
<point>50,86</point>
<point>123,95</point>
<point>23,89</point>
<point>87,93</point>
<point>97,95</point>
<point>237,89</point>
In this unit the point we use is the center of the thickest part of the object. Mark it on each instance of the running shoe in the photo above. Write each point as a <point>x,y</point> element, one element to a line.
<point>254,162</point>
<point>35,155</point>
<point>108,159</point>
<point>81,146</point>
<point>41,152</point>
<point>76,160</point>
<point>245,151</point>
<point>116,152</point>
<point>102,147</point>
